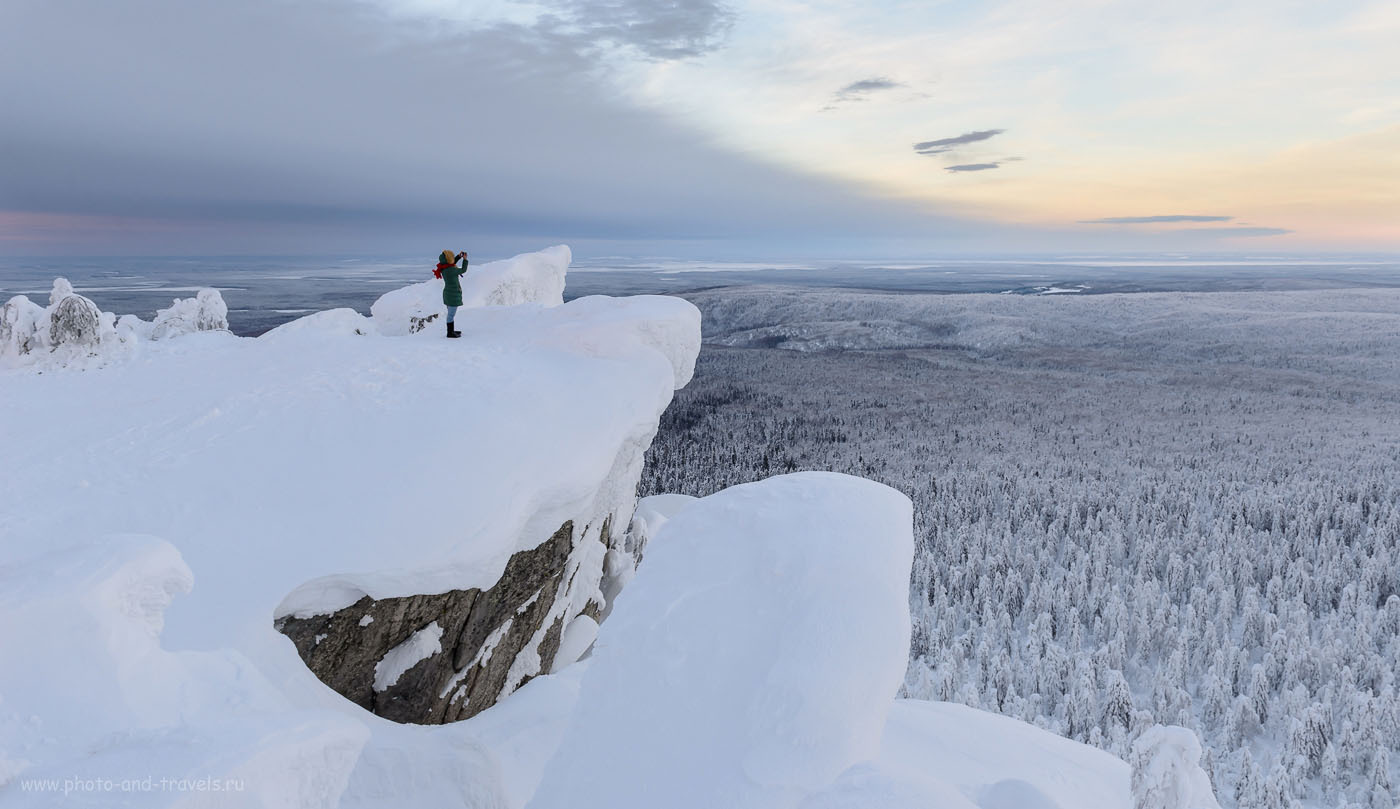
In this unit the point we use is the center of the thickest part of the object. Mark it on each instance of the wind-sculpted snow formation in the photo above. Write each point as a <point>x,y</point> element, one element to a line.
<point>444,523</point>
<point>754,662</point>
<point>527,278</point>
<point>73,331</point>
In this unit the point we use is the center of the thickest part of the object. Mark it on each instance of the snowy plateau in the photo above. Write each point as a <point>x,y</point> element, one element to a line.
<point>172,491</point>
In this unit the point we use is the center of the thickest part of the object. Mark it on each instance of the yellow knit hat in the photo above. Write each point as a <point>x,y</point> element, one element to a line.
<point>448,257</point>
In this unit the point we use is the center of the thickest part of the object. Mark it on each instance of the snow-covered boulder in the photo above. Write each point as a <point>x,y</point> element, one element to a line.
<point>375,652</point>
<point>527,278</point>
<point>755,656</point>
<point>206,311</point>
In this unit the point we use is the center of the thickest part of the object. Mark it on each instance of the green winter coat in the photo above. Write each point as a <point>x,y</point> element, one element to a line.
<point>452,284</point>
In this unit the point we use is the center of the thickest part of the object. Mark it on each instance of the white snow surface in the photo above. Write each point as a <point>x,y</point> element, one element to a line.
<point>655,511</point>
<point>293,473</point>
<point>754,657</point>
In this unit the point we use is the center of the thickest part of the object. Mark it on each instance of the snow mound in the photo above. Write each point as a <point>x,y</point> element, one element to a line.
<point>72,330</point>
<point>340,322</point>
<point>755,656</point>
<point>103,702</point>
<point>527,278</point>
<point>949,756</point>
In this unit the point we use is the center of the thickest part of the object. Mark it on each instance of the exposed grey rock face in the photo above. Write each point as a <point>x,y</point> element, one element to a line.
<point>492,640</point>
<point>417,324</point>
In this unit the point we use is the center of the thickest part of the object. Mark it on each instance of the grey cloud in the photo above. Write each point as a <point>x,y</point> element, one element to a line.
<point>1147,220</point>
<point>671,30</point>
<point>358,128</point>
<point>973,167</point>
<point>859,89</point>
<point>942,145</point>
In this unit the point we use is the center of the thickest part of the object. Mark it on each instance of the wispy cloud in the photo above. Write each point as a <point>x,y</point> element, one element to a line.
<point>857,90</point>
<point>1152,220</point>
<point>862,90</point>
<point>1243,229</point>
<point>943,145</point>
<point>1237,231</point>
<point>973,167</point>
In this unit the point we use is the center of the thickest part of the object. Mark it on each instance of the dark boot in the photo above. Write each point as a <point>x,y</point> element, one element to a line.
<point>452,332</point>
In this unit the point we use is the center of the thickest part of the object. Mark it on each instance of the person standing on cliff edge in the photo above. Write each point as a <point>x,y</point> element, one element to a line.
<point>451,276</point>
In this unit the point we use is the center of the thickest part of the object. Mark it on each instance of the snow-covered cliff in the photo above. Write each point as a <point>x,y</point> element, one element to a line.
<point>292,476</point>
<point>437,524</point>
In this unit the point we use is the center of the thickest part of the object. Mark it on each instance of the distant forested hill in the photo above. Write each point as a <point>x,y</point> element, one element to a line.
<point>1180,508</point>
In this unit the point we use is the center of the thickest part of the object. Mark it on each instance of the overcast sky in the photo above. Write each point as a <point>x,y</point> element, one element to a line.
<point>698,127</point>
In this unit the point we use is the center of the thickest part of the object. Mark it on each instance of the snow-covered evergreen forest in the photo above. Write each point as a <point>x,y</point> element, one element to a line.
<point>1178,508</point>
